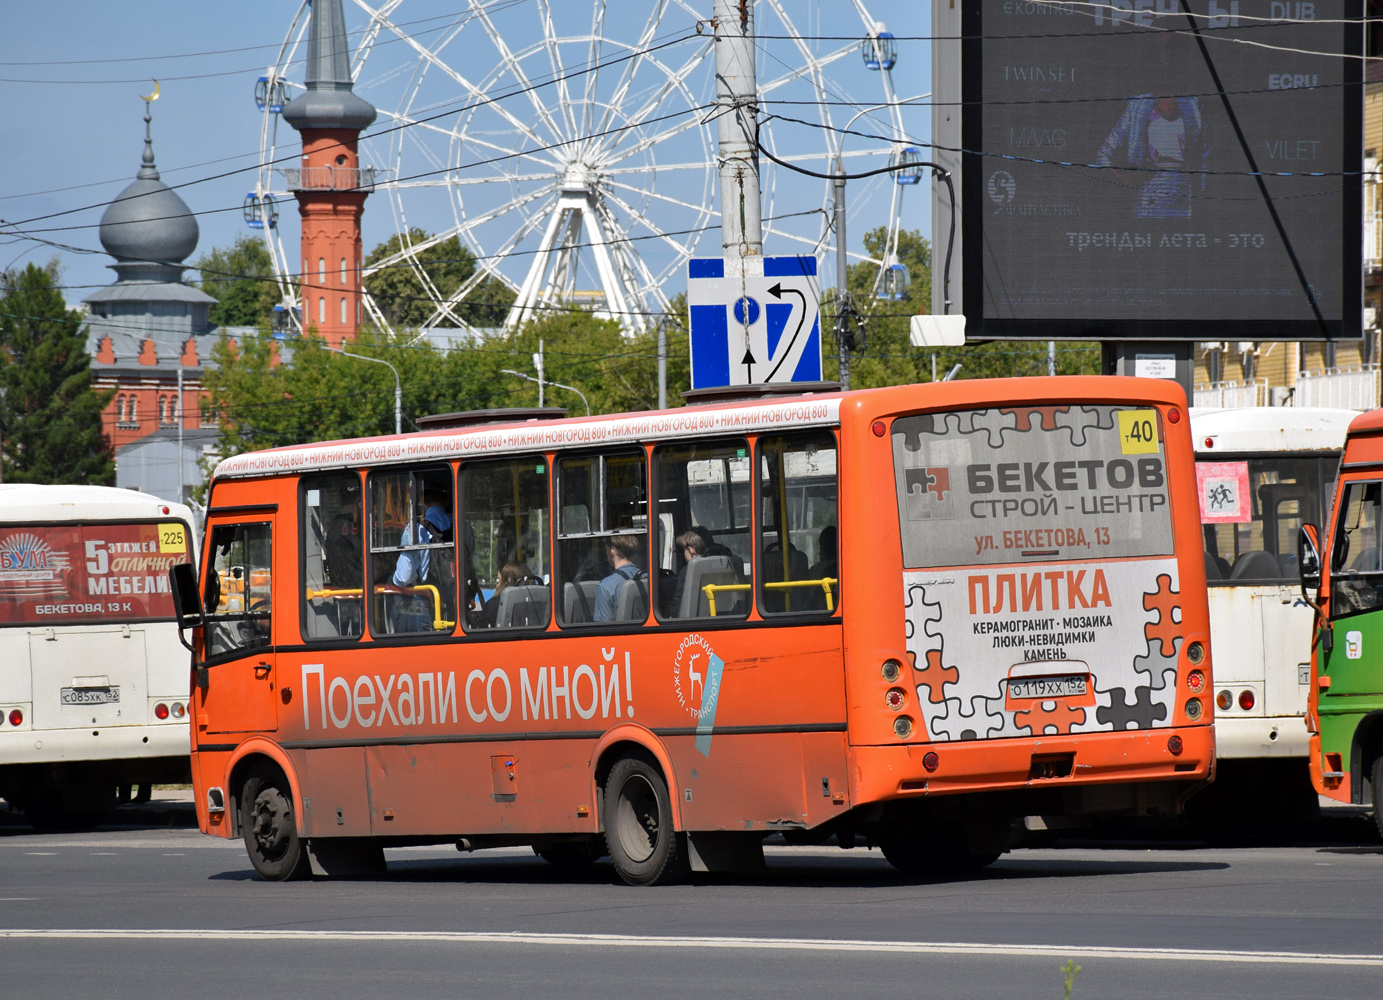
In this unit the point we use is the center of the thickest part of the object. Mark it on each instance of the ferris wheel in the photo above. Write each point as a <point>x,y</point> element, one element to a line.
<point>570,148</point>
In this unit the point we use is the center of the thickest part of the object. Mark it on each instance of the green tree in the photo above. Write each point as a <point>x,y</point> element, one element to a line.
<point>241,279</point>
<point>50,416</point>
<point>889,359</point>
<point>402,298</point>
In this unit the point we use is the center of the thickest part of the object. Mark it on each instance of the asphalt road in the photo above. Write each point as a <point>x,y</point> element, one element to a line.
<point>164,912</point>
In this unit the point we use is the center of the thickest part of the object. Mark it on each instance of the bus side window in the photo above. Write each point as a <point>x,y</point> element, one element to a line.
<point>238,589</point>
<point>704,535</point>
<point>798,550</point>
<point>1356,583</point>
<point>508,526</point>
<point>333,556</point>
<point>412,552</point>
<point>602,548</point>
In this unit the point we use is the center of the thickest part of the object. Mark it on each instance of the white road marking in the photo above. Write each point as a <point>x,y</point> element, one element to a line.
<point>41,854</point>
<point>18,899</point>
<point>103,854</point>
<point>723,943</point>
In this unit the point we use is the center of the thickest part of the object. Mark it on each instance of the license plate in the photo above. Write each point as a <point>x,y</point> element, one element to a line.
<point>91,696</point>
<point>1046,687</point>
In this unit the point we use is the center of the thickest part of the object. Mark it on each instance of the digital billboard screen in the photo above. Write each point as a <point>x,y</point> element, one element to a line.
<point>1109,174</point>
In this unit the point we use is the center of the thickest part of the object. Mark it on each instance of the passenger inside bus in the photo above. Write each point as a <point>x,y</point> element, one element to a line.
<point>413,555</point>
<point>623,595</point>
<point>510,575</point>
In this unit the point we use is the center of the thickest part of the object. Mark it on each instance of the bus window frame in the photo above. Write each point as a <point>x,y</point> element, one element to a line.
<point>756,475</point>
<point>462,567</point>
<point>302,480</point>
<point>1337,528</point>
<point>1328,472</point>
<point>192,554</point>
<point>209,566</point>
<point>642,448</point>
<point>656,584</point>
<point>367,507</point>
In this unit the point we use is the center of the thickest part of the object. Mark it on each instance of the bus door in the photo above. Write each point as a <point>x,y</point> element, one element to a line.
<point>240,679</point>
<point>1356,596</point>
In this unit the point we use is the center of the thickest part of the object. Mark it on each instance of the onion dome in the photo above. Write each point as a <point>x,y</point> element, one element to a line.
<point>329,101</point>
<point>148,221</point>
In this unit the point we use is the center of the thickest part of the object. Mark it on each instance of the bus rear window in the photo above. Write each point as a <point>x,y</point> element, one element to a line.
<point>1031,484</point>
<point>69,573</point>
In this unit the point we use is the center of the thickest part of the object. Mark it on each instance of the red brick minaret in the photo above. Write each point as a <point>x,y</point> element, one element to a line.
<point>331,187</point>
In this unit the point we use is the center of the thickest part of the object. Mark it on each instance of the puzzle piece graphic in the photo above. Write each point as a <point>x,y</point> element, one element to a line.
<point>932,479</point>
<point>1038,720</point>
<point>1047,416</point>
<point>933,677</point>
<point>1078,421</point>
<point>1166,602</point>
<point>926,614</point>
<point>1142,713</point>
<point>1154,664</point>
<point>985,718</point>
<point>993,423</point>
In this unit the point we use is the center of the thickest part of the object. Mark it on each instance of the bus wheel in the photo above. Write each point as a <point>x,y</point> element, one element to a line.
<point>573,855</point>
<point>270,829</point>
<point>644,847</point>
<point>1378,793</point>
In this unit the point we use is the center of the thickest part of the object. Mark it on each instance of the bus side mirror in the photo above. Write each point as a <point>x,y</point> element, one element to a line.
<point>1309,558</point>
<point>187,603</point>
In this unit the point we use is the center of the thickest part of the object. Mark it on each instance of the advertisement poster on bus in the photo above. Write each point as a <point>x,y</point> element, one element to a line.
<point>1032,538</point>
<point>61,574</point>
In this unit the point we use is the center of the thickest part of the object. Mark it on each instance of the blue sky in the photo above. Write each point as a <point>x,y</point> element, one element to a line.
<point>72,135</point>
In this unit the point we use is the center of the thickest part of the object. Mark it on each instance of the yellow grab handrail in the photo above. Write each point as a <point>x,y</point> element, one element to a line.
<point>711,589</point>
<point>438,622</point>
<point>825,583</point>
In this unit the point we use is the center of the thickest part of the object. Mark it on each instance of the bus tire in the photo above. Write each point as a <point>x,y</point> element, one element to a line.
<point>269,825</point>
<point>1377,788</point>
<point>639,834</point>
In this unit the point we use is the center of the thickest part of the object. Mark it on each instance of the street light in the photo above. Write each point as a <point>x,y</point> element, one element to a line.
<point>398,386</point>
<point>530,378</point>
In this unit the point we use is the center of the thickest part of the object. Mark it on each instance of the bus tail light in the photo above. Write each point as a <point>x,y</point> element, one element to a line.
<point>1195,653</point>
<point>1193,709</point>
<point>1174,415</point>
<point>895,698</point>
<point>892,669</point>
<point>161,711</point>
<point>902,727</point>
<point>1195,682</point>
<point>179,710</point>
<point>1225,700</point>
<point>1174,745</point>
<point>931,761</point>
<point>1247,700</point>
<point>16,717</point>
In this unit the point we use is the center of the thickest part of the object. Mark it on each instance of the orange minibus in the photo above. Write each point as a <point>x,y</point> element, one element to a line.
<point>909,617</point>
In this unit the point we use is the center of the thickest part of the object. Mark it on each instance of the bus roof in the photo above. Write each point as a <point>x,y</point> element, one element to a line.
<point>33,502</point>
<point>1249,429</point>
<point>777,413</point>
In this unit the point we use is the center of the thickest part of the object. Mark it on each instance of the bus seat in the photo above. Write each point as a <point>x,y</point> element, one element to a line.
<point>578,601</point>
<point>711,569</point>
<point>632,604</point>
<point>522,606</point>
<point>1212,568</point>
<point>1256,565</point>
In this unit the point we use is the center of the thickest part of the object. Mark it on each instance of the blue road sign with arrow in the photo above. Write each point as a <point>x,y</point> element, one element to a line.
<point>753,320</point>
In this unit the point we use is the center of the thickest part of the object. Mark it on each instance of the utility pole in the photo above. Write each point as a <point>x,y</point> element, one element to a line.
<point>741,225</point>
<point>662,363</point>
<point>181,457</point>
<point>1051,357</point>
<point>842,288</point>
<point>538,364</point>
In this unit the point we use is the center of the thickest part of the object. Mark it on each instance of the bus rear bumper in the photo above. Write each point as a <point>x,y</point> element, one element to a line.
<point>46,746</point>
<point>885,773</point>
<point>1275,736</point>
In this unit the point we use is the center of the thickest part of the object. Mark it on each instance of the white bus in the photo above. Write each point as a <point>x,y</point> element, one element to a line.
<point>1262,472</point>
<point>93,680</point>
